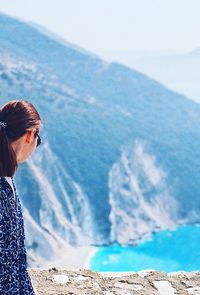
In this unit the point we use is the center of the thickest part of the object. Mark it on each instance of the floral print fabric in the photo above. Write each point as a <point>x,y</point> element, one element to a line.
<point>14,277</point>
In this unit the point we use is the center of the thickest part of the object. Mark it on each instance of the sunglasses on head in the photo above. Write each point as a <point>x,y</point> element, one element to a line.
<point>38,139</point>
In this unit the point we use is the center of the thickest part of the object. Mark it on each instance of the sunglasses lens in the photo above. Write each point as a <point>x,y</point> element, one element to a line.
<point>38,141</point>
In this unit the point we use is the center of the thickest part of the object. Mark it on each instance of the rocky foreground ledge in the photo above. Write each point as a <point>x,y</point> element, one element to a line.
<point>60,282</point>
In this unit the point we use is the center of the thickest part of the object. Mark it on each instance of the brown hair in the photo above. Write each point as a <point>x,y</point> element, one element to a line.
<point>19,116</point>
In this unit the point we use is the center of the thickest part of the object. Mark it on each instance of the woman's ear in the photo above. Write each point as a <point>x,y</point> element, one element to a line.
<point>28,135</point>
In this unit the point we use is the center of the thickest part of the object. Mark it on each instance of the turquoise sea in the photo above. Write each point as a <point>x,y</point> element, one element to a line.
<point>167,251</point>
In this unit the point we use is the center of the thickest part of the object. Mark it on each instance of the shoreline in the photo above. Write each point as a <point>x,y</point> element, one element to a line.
<point>73,258</point>
<point>86,262</point>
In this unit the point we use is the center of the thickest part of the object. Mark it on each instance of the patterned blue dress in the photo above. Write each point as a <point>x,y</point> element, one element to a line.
<point>14,277</point>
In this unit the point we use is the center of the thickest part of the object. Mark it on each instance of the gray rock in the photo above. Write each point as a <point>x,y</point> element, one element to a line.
<point>85,282</point>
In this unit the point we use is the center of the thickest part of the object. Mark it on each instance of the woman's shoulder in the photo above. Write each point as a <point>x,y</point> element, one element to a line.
<point>6,193</point>
<point>3,184</point>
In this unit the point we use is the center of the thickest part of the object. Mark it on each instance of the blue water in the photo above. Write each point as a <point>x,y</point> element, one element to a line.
<point>166,251</point>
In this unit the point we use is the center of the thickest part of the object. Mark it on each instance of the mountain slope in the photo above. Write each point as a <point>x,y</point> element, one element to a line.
<point>179,71</point>
<point>120,156</point>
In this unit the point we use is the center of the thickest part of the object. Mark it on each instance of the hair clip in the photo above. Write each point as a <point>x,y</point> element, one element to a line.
<point>3,124</point>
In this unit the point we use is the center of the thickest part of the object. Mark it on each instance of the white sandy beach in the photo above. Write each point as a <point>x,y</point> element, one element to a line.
<point>73,258</point>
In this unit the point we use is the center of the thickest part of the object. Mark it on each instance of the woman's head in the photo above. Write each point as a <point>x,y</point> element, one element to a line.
<point>19,138</point>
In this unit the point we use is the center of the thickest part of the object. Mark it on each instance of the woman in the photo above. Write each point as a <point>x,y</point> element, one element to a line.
<point>19,128</point>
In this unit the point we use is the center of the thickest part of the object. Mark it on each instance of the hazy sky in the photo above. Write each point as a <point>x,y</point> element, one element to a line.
<point>113,27</point>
